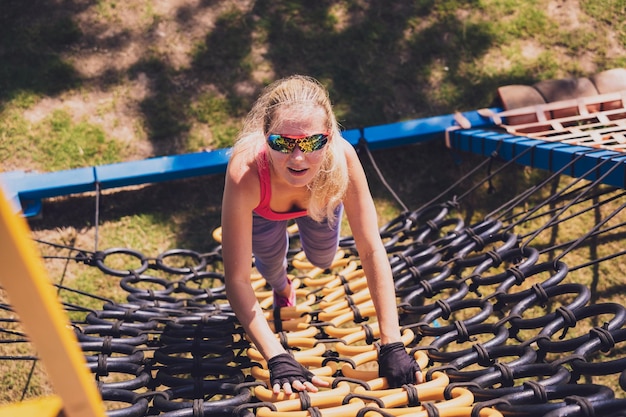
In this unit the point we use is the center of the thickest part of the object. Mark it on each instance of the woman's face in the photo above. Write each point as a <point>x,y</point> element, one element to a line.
<point>298,168</point>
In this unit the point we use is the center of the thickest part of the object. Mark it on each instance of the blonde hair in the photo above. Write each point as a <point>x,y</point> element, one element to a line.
<point>299,94</point>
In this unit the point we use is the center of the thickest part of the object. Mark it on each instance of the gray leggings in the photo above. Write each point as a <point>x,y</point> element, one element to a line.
<point>270,242</point>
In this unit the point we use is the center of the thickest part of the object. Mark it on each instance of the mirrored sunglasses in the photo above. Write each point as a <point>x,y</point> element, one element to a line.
<point>286,144</point>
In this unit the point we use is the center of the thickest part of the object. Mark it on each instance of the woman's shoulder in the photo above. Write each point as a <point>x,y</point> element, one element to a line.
<point>243,167</point>
<point>345,146</point>
<point>349,152</point>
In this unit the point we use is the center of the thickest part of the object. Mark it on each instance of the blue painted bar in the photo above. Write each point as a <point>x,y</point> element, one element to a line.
<point>591,164</point>
<point>164,168</point>
<point>418,130</point>
<point>26,189</point>
<point>51,184</point>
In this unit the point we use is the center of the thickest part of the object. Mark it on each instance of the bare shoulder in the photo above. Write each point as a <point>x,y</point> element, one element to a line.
<point>242,180</point>
<point>353,162</point>
<point>241,168</point>
<point>349,152</point>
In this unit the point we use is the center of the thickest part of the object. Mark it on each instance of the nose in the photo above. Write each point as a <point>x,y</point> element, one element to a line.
<point>297,153</point>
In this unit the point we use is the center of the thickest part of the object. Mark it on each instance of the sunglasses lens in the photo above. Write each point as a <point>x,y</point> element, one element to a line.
<point>281,144</point>
<point>312,143</point>
<point>285,144</point>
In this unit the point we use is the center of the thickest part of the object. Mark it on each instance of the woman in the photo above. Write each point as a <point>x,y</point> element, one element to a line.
<point>290,162</point>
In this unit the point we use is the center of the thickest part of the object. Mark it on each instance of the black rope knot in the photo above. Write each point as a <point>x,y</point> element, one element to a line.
<point>305,400</point>
<point>586,408</point>
<point>519,275</point>
<point>284,341</point>
<point>480,243</point>
<point>495,257</point>
<point>484,359</point>
<point>538,390</point>
<point>358,318</point>
<point>506,373</point>
<point>415,273</point>
<point>107,345</point>
<point>428,289</point>
<point>542,295</point>
<point>569,319</point>
<point>431,409</point>
<point>278,323</point>
<point>462,332</point>
<point>412,395</point>
<point>405,259</point>
<point>350,301</point>
<point>116,327</point>
<point>606,338</point>
<point>314,411</point>
<point>102,369</point>
<point>445,308</point>
<point>475,284</point>
<point>369,334</point>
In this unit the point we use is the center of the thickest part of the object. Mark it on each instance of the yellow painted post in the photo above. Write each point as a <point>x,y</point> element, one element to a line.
<point>33,298</point>
<point>49,406</point>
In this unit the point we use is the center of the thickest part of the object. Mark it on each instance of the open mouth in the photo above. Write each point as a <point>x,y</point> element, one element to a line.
<point>297,171</point>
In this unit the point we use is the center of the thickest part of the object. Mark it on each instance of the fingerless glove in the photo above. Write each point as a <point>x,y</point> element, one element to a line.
<point>395,364</point>
<point>285,369</point>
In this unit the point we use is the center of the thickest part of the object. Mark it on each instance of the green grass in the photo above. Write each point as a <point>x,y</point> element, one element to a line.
<point>220,114</point>
<point>56,143</point>
<point>609,12</point>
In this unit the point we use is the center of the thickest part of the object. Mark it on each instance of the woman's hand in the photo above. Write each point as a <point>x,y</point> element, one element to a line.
<point>395,364</point>
<point>287,374</point>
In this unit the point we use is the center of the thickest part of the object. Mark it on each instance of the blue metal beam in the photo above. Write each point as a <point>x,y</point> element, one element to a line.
<point>419,130</point>
<point>26,189</point>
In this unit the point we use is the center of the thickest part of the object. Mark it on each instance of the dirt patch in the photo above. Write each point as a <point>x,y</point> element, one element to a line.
<point>567,13</point>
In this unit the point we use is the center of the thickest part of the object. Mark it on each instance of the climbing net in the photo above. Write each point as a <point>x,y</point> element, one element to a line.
<point>496,317</point>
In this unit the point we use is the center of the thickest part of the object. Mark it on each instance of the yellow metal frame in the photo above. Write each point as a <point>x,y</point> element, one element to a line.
<point>33,298</point>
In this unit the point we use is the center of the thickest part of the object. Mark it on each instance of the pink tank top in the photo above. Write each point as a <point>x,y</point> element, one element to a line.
<point>263,209</point>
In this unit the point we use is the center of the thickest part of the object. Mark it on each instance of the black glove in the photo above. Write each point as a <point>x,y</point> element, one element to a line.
<point>395,364</point>
<point>284,369</point>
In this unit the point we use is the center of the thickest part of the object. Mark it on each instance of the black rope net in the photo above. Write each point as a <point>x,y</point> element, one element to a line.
<point>499,319</point>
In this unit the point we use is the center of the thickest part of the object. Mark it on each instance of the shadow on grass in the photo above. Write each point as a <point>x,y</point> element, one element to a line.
<point>32,36</point>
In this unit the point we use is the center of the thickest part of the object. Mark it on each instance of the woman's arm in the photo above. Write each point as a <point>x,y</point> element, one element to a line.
<point>363,220</point>
<point>241,195</point>
<point>394,362</point>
